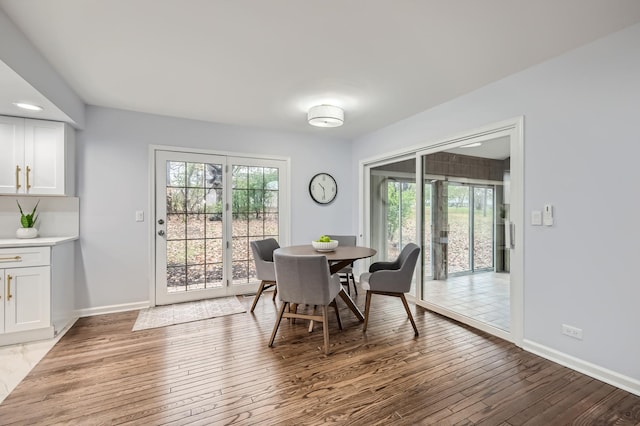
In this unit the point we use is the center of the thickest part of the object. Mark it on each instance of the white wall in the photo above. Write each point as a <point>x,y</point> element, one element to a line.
<point>113,182</point>
<point>581,154</point>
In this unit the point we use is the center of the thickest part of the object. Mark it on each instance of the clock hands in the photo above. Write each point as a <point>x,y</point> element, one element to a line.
<point>324,193</point>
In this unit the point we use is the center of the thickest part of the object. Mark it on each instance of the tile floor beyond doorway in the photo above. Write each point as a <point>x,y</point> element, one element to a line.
<point>483,296</point>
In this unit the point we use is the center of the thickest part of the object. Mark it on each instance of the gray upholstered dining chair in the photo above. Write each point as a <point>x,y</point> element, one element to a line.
<point>265,271</point>
<point>305,280</point>
<point>346,273</point>
<point>391,279</point>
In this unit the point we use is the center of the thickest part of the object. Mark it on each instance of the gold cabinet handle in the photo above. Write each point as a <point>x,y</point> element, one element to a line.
<point>11,259</point>
<point>9,296</point>
<point>18,169</point>
<point>28,184</point>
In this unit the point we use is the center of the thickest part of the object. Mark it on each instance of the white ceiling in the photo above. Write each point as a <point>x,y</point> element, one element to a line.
<point>263,63</point>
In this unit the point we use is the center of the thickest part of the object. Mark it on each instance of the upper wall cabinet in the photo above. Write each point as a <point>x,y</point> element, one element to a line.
<point>37,157</point>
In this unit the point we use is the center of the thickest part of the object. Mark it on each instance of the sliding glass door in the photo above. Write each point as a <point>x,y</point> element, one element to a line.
<point>464,235</point>
<point>467,220</point>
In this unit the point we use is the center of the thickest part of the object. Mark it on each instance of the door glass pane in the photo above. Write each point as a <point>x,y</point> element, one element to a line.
<point>427,228</point>
<point>459,221</point>
<point>193,205</point>
<point>255,215</point>
<point>392,209</point>
<point>483,228</point>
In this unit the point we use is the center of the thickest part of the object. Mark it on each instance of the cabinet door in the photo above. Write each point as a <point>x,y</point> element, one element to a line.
<point>44,157</point>
<point>12,157</point>
<point>27,295</point>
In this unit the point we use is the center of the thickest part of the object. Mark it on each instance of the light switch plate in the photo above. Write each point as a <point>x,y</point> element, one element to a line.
<point>536,217</point>
<point>139,216</point>
<point>547,215</point>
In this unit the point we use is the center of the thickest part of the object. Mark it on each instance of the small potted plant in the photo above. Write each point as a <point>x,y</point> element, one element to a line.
<point>28,222</point>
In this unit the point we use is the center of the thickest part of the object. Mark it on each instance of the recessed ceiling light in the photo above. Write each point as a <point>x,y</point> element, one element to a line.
<point>472,145</point>
<point>30,107</point>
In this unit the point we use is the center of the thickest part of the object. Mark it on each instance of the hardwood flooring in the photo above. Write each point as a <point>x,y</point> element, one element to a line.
<point>220,371</point>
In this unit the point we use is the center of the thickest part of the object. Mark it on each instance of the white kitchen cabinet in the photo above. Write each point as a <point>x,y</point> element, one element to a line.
<point>38,157</point>
<point>26,298</point>
<point>36,299</point>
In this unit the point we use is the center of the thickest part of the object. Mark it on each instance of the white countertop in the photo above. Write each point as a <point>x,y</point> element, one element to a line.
<point>35,242</point>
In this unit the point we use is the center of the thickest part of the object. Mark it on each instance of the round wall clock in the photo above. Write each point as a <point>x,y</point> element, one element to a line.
<point>323,188</point>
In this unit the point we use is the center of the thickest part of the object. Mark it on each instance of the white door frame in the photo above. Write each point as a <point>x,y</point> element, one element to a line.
<point>514,129</point>
<point>284,210</point>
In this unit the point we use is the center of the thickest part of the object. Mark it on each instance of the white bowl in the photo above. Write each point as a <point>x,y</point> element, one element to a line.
<point>330,246</point>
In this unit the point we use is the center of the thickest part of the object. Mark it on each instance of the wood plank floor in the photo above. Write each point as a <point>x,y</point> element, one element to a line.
<point>220,371</point>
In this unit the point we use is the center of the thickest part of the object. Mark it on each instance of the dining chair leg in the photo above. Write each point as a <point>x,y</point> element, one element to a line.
<point>311,322</point>
<point>366,310</point>
<point>258,293</point>
<point>335,306</point>
<point>346,281</point>
<point>277,324</point>
<point>325,329</point>
<point>355,288</point>
<point>406,307</point>
<point>275,292</point>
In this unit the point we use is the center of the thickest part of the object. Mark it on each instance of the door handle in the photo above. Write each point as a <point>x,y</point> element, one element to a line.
<point>18,169</point>
<point>161,232</point>
<point>9,295</point>
<point>512,235</point>
<point>28,184</point>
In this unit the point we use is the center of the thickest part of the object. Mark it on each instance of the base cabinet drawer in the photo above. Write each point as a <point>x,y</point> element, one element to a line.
<point>24,257</point>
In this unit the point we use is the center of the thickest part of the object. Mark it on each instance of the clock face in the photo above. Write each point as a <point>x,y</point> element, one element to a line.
<point>323,188</point>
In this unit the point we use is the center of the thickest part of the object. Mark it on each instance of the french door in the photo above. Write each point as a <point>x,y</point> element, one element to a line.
<point>208,208</point>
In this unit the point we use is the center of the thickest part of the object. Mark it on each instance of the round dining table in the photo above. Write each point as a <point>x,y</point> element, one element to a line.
<point>338,258</point>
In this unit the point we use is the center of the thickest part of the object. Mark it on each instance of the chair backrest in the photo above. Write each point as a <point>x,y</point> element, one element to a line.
<point>263,258</point>
<point>399,279</point>
<point>344,240</point>
<point>394,264</point>
<point>305,279</point>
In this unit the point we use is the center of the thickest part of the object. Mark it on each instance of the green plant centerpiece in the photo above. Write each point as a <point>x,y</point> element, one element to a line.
<point>28,222</point>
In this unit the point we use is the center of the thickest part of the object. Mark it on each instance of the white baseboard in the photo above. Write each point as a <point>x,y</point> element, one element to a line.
<point>100,310</point>
<point>608,376</point>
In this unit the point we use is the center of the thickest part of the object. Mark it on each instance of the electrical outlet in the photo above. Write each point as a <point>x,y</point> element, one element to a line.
<point>571,331</point>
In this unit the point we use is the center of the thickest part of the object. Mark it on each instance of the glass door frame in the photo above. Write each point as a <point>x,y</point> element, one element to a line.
<point>514,130</point>
<point>231,158</point>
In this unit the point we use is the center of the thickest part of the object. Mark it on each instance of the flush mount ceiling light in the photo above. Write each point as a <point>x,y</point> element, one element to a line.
<point>30,107</point>
<point>326,116</point>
